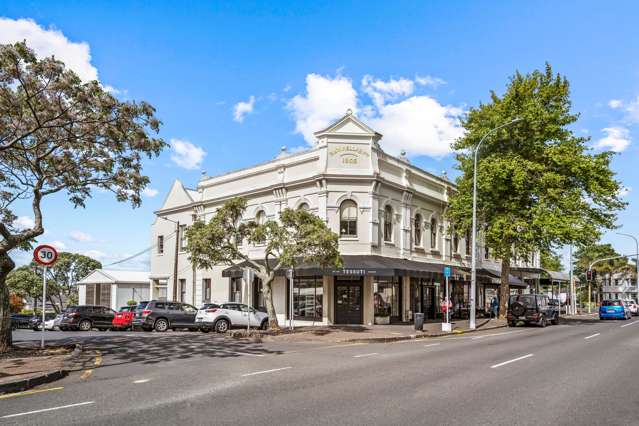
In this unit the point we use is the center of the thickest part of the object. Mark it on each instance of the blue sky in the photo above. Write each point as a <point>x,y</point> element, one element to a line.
<point>291,66</point>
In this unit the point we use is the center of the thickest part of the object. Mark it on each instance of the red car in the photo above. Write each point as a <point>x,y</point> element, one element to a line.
<point>123,318</point>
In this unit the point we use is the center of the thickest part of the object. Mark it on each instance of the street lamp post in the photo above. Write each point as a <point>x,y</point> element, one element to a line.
<point>473,276</point>
<point>636,259</point>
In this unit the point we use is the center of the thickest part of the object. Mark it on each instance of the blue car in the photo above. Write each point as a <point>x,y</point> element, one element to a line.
<point>614,309</point>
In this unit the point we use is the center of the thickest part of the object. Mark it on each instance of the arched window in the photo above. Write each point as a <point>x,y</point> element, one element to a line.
<point>433,233</point>
<point>260,217</point>
<point>388,223</point>
<point>303,206</point>
<point>348,219</point>
<point>418,230</point>
<point>469,243</point>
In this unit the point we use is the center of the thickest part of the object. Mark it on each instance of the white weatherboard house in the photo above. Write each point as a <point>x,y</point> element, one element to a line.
<point>388,214</point>
<point>113,288</point>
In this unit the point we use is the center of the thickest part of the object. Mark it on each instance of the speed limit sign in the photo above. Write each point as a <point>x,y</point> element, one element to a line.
<point>45,255</point>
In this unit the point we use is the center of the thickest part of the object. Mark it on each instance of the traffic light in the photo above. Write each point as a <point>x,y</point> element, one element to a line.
<point>589,275</point>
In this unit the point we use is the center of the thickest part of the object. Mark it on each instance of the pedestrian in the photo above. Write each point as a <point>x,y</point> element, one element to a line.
<point>494,307</point>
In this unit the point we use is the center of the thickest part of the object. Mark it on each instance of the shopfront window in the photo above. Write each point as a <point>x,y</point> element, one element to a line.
<point>387,297</point>
<point>308,297</point>
<point>206,285</point>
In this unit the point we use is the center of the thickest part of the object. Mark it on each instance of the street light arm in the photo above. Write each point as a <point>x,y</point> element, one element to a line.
<point>609,258</point>
<point>490,132</point>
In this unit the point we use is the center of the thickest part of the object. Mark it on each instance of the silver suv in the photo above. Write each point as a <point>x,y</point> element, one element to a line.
<point>222,317</point>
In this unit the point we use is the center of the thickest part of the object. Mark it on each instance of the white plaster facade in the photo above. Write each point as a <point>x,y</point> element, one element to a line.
<point>346,163</point>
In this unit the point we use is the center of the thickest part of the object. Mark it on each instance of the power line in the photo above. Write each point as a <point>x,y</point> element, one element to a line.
<point>126,259</point>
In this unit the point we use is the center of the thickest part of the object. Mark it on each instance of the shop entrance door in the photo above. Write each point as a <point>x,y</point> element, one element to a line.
<point>348,301</point>
<point>428,302</point>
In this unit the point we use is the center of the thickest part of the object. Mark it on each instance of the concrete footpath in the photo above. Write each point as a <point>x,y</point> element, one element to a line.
<point>378,333</point>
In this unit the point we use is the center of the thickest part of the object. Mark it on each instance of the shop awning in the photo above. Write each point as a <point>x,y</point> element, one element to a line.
<point>494,275</point>
<point>360,265</point>
<point>552,275</point>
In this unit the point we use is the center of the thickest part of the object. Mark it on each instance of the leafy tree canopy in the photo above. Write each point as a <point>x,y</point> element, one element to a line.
<point>551,261</point>
<point>297,237</point>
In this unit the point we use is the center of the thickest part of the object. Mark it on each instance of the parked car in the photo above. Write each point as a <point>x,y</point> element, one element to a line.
<point>160,315</point>
<point>21,321</point>
<point>223,317</point>
<point>632,305</point>
<point>614,309</point>
<point>58,320</point>
<point>532,309</point>
<point>36,321</point>
<point>86,317</point>
<point>123,318</point>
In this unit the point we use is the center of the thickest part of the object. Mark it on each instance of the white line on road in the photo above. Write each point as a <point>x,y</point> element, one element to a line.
<point>626,325</point>
<point>47,409</point>
<point>496,334</point>
<point>511,361</point>
<point>265,371</point>
<point>365,355</point>
<point>247,354</point>
<point>432,344</point>
<point>141,381</point>
<point>591,336</point>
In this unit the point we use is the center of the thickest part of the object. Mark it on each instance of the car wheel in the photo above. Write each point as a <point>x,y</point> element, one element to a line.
<point>264,325</point>
<point>555,321</point>
<point>222,326</point>
<point>85,325</point>
<point>205,330</point>
<point>543,322</point>
<point>161,325</point>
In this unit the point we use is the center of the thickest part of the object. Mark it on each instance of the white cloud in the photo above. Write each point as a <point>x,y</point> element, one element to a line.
<point>429,81</point>
<point>242,109</point>
<point>418,124</point>
<point>616,139</point>
<point>80,236</point>
<point>615,103</point>
<point>326,100</point>
<point>149,192</point>
<point>624,191</point>
<point>59,245</point>
<point>632,111</point>
<point>95,254</point>
<point>186,155</point>
<point>23,222</point>
<point>47,42</point>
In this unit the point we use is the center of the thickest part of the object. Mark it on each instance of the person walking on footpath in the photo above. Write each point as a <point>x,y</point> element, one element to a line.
<point>494,307</point>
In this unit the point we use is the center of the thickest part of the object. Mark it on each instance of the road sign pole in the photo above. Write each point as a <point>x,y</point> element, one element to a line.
<point>447,303</point>
<point>44,302</point>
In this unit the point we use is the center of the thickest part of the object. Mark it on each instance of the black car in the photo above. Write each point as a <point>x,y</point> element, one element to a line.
<point>21,321</point>
<point>532,309</point>
<point>86,317</point>
<point>160,315</point>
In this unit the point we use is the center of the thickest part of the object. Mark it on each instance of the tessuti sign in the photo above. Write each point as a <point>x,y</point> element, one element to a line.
<point>45,255</point>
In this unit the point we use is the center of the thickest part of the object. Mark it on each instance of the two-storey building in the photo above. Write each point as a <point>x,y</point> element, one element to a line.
<point>388,213</point>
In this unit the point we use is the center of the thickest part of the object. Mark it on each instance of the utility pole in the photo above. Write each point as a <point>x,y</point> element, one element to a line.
<point>573,300</point>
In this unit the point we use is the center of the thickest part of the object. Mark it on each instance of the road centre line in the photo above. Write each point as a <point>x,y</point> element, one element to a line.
<point>496,334</point>
<point>626,325</point>
<point>30,392</point>
<point>365,355</point>
<point>265,371</point>
<point>344,346</point>
<point>432,344</point>
<point>247,354</point>
<point>511,361</point>
<point>591,336</point>
<point>141,381</point>
<point>47,409</point>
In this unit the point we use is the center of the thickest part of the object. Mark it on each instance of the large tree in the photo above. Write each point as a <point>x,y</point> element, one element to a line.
<point>551,261</point>
<point>24,282</point>
<point>60,135</point>
<point>298,236</point>
<point>539,185</point>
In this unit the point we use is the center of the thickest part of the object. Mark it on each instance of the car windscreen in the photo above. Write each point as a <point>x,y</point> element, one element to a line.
<point>611,303</point>
<point>527,300</point>
<point>142,305</point>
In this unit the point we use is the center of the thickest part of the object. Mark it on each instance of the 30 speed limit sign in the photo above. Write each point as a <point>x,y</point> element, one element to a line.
<point>45,255</point>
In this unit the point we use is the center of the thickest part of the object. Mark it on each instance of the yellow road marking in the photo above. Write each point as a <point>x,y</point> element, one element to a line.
<point>30,392</point>
<point>98,358</point>
<point>97,363</point>
<point>86,374</point>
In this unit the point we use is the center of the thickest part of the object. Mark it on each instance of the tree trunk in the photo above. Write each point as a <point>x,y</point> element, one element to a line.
<point>6,266</point>
<point>270,306</point>
<point>504,289</point>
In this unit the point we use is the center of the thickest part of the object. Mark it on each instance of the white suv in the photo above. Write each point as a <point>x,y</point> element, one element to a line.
<point>634,309</point>
<point>221,317</point>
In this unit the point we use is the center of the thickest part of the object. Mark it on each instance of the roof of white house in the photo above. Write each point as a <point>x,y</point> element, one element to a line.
<point>115,276</point>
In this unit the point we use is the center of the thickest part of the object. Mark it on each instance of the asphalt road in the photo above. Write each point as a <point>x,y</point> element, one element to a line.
<point>576,373</point>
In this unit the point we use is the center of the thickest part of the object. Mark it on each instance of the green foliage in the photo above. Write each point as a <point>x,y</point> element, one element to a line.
<point>131,302</point>
<point>551,261</point>
<point>585,255</point>
<point>24,282</point>
<point>539,186</point>
<point>298,237</point>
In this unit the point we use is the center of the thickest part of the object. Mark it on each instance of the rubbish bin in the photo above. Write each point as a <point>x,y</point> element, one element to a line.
<point>419,321</point>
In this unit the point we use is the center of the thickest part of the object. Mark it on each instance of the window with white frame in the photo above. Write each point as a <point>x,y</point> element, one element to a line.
<point>418,230</point>
<point>433,233</point>
<point>388,223</point>
<point>303,206</point>
<point>348,219</point>
<point>183,241</point>
<point>160,244</point>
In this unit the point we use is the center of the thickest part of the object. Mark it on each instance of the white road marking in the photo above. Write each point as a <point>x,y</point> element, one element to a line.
<point>591,336</point>
<point>141,381</point>
<point>626,325</point>
<point>496,334</point>
<point>265,371</point>
<point>344,345</point>
<point>47,409</point>
<point>511,361</point>
<point>246,354</point>
<point>432,344</point>
<point>365,355</point>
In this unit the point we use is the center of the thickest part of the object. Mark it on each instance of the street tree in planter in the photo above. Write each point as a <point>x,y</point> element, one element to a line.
<point>297,237</point>
<point>539,185</point>
<point>60,135</point>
